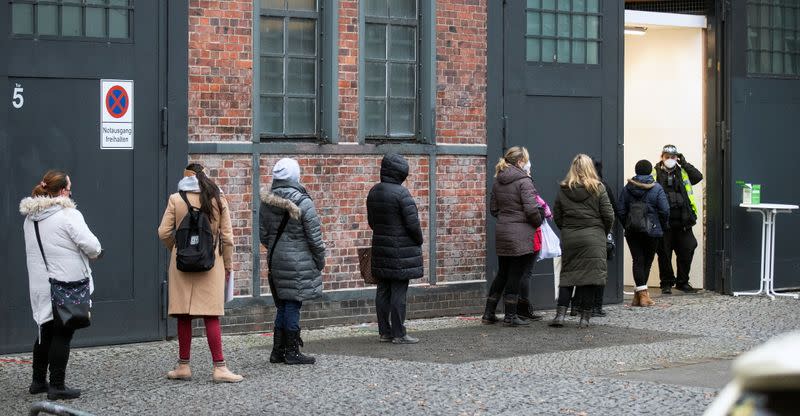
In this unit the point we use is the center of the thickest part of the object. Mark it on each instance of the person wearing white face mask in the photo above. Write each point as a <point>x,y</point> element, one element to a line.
<point>677,176</point>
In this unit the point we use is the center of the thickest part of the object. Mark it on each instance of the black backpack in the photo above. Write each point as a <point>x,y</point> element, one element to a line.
<point>194,241</point>
<point>637,220</point>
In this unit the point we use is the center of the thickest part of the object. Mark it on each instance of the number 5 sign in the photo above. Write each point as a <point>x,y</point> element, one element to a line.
<point>17,100</point>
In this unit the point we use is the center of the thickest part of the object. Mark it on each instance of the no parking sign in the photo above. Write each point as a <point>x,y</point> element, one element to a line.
<point>116,114</point>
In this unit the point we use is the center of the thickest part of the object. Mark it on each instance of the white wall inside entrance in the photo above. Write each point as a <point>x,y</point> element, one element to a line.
<point>664,103</point>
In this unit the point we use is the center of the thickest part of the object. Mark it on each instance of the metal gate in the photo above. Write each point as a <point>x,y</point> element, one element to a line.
<point>54,59</point>
<point>555,86</point>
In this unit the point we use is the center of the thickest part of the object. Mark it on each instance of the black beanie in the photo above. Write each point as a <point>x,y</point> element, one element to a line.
<point>644,167</point>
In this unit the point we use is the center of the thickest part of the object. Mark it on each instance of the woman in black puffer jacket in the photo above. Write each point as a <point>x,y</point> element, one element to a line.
<point>396,247</point>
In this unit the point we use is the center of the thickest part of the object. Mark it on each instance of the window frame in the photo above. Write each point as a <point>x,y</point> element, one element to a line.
<point>83,6</point>
<point>771,28</point>
<point>425,74</point>
<point>556,37</point>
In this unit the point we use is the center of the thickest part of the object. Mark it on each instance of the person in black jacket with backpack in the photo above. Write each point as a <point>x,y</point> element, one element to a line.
<point>644,210</point>
<point>396,247</point>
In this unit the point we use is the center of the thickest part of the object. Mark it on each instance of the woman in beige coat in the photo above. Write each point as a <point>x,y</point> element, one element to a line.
<point>199,294</point>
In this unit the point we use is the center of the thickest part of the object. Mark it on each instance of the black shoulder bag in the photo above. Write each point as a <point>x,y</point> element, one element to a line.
<point>71,300</point>
<point>284,221</point>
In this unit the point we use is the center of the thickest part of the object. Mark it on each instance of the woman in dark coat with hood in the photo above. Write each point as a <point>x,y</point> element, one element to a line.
<point>396,247</point>
<point>584,214</point>
<point>643,243</point>
<point>513,203</point>
<point>296,256</point>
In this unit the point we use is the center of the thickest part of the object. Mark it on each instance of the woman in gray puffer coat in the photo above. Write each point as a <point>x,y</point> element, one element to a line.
<point>584,214</point>
<point>296,259</point>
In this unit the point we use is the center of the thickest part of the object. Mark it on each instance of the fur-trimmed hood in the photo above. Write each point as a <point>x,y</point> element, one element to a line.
<point>274,200</point>
<point>41,207</point>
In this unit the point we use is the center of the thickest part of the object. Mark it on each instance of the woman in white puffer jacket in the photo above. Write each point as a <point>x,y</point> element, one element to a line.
<point>68,245</point>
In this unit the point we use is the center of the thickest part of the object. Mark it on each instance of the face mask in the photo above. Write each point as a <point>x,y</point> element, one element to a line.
<point>527,167</point>
<point>670,163</point>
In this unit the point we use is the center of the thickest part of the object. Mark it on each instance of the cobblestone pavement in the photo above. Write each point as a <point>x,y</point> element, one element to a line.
<point>460,367</point>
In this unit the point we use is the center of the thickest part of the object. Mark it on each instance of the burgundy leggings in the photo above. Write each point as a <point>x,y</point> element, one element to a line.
<point>213,333</point>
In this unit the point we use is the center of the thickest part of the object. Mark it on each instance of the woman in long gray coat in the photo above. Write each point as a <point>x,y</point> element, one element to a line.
<point>292,234</point>
<point>584,214</point>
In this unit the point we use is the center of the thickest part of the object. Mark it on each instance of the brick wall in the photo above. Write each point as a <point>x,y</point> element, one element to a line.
<point>220,91</point>
<point>220,70</point>
<point>461,71</point>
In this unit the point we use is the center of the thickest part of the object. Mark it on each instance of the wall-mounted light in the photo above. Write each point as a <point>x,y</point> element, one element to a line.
<point>635,30</point>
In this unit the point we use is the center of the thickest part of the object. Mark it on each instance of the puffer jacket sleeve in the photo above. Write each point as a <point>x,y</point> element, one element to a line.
<point>226,234</point>
<point>263,225</point>
<point>606,211</point>
<point>167,227</point>
<point>411,217</point>
<point>558,211</point>
<point>81,235</point>
<point>529,204</point>
<point>662,206</point>
<point>313,231</point>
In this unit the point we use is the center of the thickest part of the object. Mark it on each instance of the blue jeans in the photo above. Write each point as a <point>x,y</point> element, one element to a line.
<point>288,316</point>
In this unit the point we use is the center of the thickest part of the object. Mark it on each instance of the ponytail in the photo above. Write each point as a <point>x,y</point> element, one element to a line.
<point>51,185</point>
<point>513,156</point>
<point>209,191</point>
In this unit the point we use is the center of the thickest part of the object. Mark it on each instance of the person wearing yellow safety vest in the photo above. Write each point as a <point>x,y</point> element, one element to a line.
<point>677,176</point>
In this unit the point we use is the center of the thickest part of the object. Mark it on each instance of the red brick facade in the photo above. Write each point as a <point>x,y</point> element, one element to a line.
<point>220,97</point>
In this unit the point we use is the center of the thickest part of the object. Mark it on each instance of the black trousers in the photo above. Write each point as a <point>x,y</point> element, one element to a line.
<point>525,282</point>
<point>52,350</point>
<point>643,251</point>
<point>510,272</point>
<point>584,296</point>
<point>390,304</point>
<point>683,243</point>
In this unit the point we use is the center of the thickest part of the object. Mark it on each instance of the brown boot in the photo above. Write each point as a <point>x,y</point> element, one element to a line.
<point>181,372</point>
<point>222,374</point>
<point>644,299</point>
<point>637,299</point>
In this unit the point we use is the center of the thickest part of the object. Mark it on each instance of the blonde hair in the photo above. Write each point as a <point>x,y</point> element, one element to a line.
<point>513,156</point>
<point>583,173</point>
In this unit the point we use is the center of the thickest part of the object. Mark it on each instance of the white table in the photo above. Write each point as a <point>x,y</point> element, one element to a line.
<point>769,212</point>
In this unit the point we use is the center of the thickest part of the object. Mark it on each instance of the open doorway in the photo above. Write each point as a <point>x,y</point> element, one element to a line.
<point>665,93</point>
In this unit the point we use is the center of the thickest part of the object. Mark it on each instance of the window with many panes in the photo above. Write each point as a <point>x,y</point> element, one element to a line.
<point>289,68</point>
<point>563,31</point>
<point>390,68</point>
<point>93,19</point>
<point>773,37</point>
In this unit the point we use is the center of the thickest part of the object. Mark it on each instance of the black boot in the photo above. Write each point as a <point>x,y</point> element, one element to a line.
<point>39,382</point>
<point>488,315</point>
<point>511,318</point>
<point>573,310</point>
<point>525,310</point>
<point>586,314</point>
<point>561,315</point>
<point>292,352</point>
<point>278,345</point>
<point>62,392</point>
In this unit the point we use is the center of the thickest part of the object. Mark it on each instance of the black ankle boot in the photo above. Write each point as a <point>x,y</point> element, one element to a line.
<point>573,310</point>
<point>62,392</point>
<point>38,387</point>
<point>597,309</point>
<point>489,316</point>
<point>561,315</point>
<point>525,310</point>
<point>511,318</point>
<point>292,352</point>
<point>278,345</point>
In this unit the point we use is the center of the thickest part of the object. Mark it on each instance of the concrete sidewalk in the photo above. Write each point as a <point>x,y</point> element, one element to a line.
<point>669,359</point>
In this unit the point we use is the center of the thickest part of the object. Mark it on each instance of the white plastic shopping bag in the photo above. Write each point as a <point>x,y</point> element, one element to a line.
<point>556,274</point>
<point>551,245</point>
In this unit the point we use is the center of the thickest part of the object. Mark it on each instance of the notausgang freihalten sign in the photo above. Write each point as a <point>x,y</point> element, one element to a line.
<point>116,114</point>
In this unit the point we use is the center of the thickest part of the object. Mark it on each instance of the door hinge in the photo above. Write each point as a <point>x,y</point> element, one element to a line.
<point>164,127</point>
<point>724,135</point>
<point>724,9</point>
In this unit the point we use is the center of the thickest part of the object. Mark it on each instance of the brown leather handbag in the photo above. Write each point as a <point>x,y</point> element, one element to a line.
<point>365,264</point>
